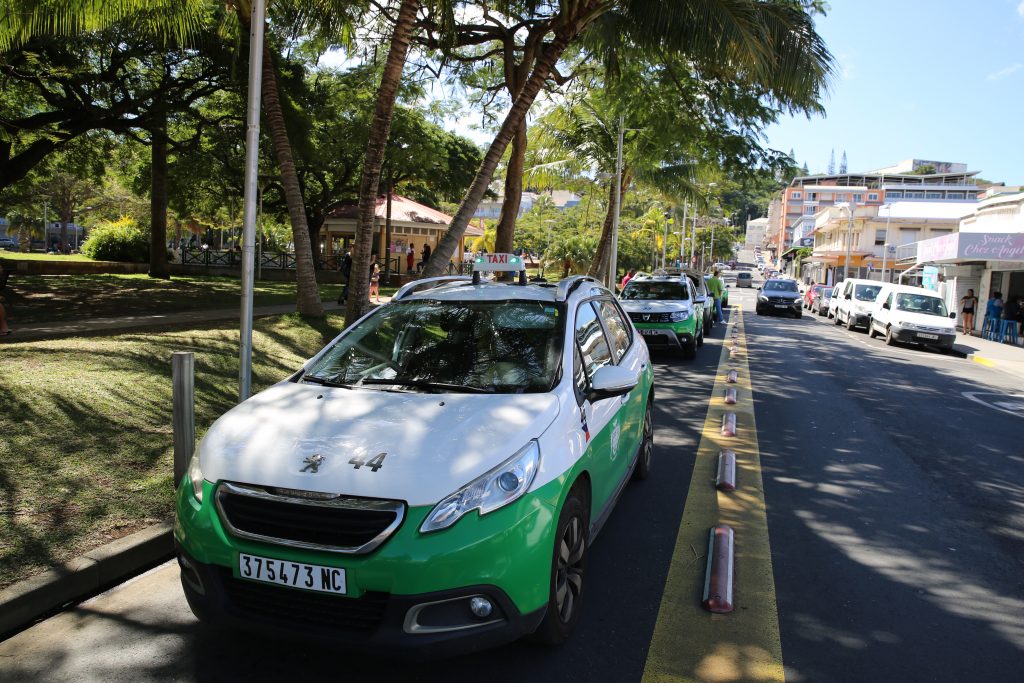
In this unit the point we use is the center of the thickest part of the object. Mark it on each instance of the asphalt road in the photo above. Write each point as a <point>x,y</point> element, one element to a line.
<point>895,509</point>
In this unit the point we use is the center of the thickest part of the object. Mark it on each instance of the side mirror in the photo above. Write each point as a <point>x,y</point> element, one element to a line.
<point>759,289</point>
<point>611,380</point>
<point>848,296</point>
<point>885,304</point>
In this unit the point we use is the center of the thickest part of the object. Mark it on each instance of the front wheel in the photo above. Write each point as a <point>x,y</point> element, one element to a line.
<point>871,330</point>
<point>850,322</point>
<point>889,339</point>
<point>689,349</point>
<point>568,566</point>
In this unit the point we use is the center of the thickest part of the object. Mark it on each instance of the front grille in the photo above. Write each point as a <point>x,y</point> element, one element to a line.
<point>651,317</point>
<point>335,524</point>
<point>290,607</point>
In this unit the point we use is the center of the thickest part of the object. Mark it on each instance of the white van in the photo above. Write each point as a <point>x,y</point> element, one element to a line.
<point>913,314</point>
<point>833,301</point>
<point>855,301</point>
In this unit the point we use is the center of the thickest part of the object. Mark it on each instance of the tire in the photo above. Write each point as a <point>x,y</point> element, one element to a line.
<point>700,339</point>
<point>871,330</point>
<point>708,324</point>
<point>836,320</point>
<point>690,349</point>
<point>799,315</point>
<point>889,339</point>
<point>568,568</point>
<point>643,460</point>
<point>850,324</point>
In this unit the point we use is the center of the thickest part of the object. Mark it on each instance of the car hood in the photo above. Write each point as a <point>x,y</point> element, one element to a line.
<point>435,443</point>
<point>936,322</point>
<point>655,306</point>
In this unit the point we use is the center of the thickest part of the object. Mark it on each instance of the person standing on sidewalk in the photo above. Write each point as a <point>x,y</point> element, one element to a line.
<point>968,304</point>
<point>4,330</point>
<point>716,290</point>
<point>374,279</point>
<point>346,272</point>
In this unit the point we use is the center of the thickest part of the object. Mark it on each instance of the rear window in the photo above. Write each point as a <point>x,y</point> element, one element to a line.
<point>656,291</point>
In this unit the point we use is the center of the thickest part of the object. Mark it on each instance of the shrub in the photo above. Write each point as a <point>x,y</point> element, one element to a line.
<point>120,240</point>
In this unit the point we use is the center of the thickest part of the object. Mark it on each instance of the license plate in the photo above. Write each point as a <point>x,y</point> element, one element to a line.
<point>650,333</point>
<point>781,305</point>
<point>292,574</point>
<point>923,335</point>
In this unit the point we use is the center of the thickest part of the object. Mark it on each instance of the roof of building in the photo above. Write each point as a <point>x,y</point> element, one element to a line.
<point>403,210</point>
<point>922,210</point>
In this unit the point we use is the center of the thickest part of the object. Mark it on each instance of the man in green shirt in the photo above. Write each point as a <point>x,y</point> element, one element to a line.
<point>716,289</point>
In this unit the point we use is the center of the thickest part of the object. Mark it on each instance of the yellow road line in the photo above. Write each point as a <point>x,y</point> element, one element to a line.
<point>981,360</point>
<point>689,643</point>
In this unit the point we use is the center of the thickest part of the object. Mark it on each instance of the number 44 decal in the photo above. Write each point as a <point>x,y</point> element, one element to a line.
<point>374,463</point>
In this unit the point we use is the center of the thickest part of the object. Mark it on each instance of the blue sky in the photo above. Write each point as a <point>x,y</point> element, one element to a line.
<point>938,79</point>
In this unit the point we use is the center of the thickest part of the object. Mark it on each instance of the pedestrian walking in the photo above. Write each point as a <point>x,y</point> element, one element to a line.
<point>374,279</point>
<point>968,304</point>
<point>410,258</point>
<point>346,272</point>
<point>626,278</point>
<point>717,291</point>
<point>425,255</point>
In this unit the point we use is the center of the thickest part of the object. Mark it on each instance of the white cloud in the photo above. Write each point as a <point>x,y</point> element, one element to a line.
<point>1020,9</point>
<point>847,69</point>
<point>1004,73</point>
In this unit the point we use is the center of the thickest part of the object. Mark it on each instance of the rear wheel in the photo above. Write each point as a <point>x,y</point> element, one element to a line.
<point>568,565</point>
<point>643,458</point>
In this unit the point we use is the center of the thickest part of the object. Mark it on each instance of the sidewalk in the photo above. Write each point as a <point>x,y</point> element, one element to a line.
<point>1006,357</point>
<point>71,328</point>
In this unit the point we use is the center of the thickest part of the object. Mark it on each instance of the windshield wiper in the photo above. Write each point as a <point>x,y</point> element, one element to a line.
<point>424,384</point>
<point>316,379</point>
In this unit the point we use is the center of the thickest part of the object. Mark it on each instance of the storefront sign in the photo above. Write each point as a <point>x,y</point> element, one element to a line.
<point>939,248</point>
<point>992,246</point>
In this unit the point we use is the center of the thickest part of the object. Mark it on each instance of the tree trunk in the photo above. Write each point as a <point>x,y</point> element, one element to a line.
<point>359,288</point>
<point>158,202</point>
<point>505,232</point>
<point>307,297</point>
<point>599,266</point>
<point>517,114</point>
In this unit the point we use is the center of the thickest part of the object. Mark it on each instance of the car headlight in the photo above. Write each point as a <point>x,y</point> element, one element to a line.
<point>762,299</point>
<point>495,489</point>
<point>679,316</point>
<point>903,326</point>
<point>195,475</point>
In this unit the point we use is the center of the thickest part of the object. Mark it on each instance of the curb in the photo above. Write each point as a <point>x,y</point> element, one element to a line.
<point>26,601</point>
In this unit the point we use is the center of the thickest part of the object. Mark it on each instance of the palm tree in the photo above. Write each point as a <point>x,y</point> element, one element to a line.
<point>774,42</point>
<point>358,300</point>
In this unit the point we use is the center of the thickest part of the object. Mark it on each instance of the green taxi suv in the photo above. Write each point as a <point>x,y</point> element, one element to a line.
<point>664,310</point>
<point>431,481</point>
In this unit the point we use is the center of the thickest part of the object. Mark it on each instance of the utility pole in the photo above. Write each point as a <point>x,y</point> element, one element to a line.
<point>885,245</point>
<point>252,152</point>
<point>849,241</point>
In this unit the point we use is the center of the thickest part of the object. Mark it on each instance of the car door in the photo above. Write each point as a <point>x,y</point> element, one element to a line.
<point>627,354</point>
<point>600,418</point>
<point>881,316</point>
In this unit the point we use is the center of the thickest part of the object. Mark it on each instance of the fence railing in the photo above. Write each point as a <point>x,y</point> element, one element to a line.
<point>229,258</point>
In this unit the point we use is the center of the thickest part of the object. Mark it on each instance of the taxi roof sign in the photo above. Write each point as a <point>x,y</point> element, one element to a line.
<point>492,263</point>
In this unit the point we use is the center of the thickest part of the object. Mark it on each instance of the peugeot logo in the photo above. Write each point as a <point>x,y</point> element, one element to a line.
<point>313,463</point>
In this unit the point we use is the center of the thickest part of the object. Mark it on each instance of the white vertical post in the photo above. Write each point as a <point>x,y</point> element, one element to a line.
<point>252,151</point>
<point>183,415</point>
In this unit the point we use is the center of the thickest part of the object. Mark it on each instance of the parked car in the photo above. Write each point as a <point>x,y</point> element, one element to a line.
<point>833,301</point>
<point>856,300</point>
<point>703,299</point>
<point>779,295</point>
<point>430,481</point>
<point>912,314</point>
<point>810,292</point>
<point>8,243</point>
<point>821,300</point>
<point>744,278</point>
<point>664,311</point>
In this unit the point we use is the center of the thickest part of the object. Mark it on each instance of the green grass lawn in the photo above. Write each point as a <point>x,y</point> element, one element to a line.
<point>35,299</point>
<point>85,429</point>
<point>26,256</point>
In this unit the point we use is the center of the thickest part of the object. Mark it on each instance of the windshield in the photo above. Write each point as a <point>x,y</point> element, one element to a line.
<point>866,292</point>
<point>656,291</point>
<point>921,303</point>
<point>471,346</point>
<point>780,286</point>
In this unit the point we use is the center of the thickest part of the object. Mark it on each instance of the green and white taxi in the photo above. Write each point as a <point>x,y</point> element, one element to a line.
<point>665,311</point>
<point>429,482</point>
